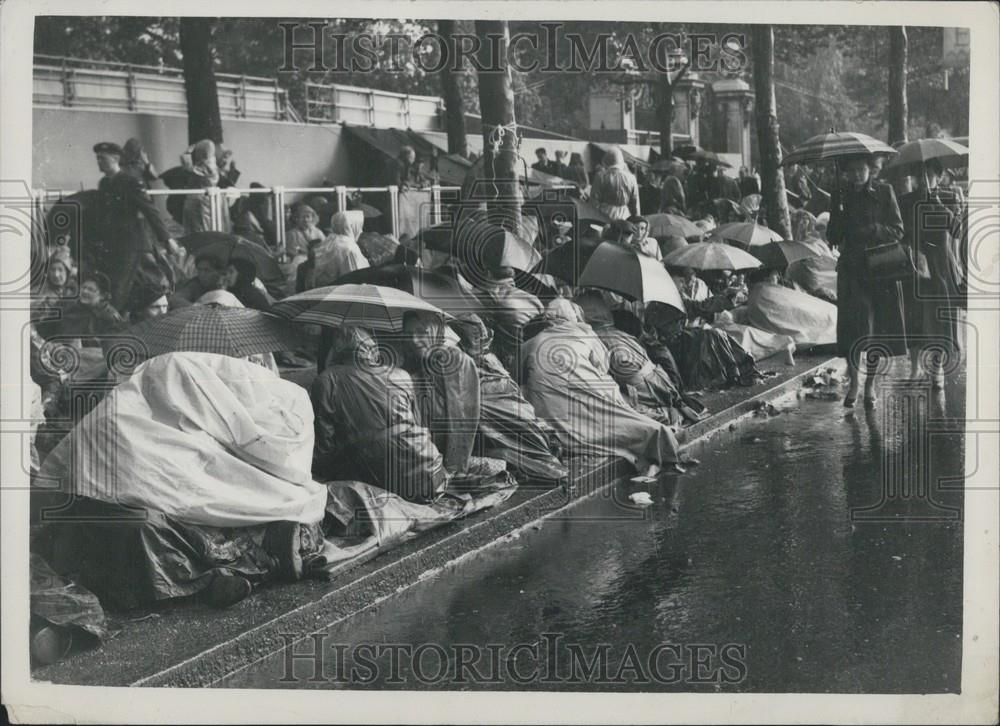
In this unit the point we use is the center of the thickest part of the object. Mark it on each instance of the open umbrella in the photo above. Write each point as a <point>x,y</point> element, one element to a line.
<point>668,225</point>
<point>910,158</point>
<point>630,273</point>
<point>567,262</point>
<point>236,332</point>
<point>368,210</point>
<point>747,234</point>
<point>782,254</point>
<point>482,245</point>
<point>834,145</point>
<point>538,284</point>
<point>569,209</point>
<point>227,246</point>
<point>668,166</point>
<point>686,150</point>
<point>711,256</point>
<point>437,287</point>
<point>377,307</point>
<point>708,157</point>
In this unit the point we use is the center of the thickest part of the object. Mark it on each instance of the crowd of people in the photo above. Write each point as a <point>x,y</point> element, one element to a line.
<point>541,382</point>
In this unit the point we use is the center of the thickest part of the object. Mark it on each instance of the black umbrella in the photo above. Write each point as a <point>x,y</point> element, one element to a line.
<point>568,261</point>
<point>481,245</point>
<point>227,246</point>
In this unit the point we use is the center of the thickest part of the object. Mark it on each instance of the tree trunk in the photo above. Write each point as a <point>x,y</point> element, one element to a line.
<point>204,120</point>
<point>500,141</point>
<point>453,106</point>
<point>774,200</point>
<point>898,110</point>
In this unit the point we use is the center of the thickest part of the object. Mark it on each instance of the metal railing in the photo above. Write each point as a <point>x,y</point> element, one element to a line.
<point>219,203</point>
<point>104,85</point>
<point>335,103</point>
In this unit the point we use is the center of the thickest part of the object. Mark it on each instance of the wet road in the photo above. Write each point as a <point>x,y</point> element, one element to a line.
<point>817,550</point>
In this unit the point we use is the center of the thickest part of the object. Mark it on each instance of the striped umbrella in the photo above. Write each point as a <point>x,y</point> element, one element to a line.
<point>911,157</point>
<point>834,145</point>
<point>371,306</point>
<point>711,256</point>
<point>236,332</point>
<point>747,234</point>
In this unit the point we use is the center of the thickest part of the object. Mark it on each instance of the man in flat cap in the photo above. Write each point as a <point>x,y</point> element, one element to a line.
<point>129,228</point>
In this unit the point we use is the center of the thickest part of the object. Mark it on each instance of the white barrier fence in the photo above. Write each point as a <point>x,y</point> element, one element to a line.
<point>220,199</point>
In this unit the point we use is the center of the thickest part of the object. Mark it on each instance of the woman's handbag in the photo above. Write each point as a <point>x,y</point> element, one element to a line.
<point>889,261</point>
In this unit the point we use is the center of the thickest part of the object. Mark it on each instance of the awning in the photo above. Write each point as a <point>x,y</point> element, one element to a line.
<point>386,143</point>
<point>602,149</point>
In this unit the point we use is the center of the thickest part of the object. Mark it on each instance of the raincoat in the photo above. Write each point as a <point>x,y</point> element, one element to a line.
<point>646,386</point>
<point>931,304</point>
<point>870,311</point>
<point>615,190</point>
<point>339,253</point>
<point>509,428</point>
<point>568,383</point>
<point>368,424</point>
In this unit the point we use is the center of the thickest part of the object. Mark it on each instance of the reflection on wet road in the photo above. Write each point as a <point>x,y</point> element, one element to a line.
<point>826,542</point>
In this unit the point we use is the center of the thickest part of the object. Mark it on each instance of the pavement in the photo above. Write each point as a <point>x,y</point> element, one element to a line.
<point>188,644</point>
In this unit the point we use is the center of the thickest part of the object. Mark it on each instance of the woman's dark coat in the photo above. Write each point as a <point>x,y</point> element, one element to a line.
<point>869,311</point>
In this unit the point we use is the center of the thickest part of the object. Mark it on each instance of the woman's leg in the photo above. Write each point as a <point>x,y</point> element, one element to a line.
<point>870,378</point>
<point>854,371</point>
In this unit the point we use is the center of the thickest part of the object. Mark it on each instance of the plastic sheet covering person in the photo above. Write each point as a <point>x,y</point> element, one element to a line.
<point>367,425</point>
<point>246,434</point>
<point>706,357</point>
<point>777,309</point>
<point>568,383</point>
<point>647,386</point>
<point>509,429</point>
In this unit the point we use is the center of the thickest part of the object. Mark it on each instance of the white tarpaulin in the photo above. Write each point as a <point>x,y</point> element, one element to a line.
<point>778,309</point>
<point>204,438</point>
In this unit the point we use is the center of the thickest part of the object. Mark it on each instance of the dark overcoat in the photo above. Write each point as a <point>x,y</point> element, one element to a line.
<point>870,313</point>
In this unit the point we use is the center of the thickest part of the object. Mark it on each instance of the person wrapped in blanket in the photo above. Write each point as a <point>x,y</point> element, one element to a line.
<point>646,385</point>
<point>509,429</point>
<point>567,382</point>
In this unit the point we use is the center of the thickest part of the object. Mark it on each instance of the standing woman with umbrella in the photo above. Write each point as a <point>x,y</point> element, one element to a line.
<point>870,316</point>
<point>932,296</point>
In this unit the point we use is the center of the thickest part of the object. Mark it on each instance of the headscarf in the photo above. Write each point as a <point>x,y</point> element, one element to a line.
<point>563,309</point>
<point>203,161</point>
<point>803,225</point>
<point>220,297</point>
<point>352,344</point>
<point>347,224</point>
<point>614,158</point>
